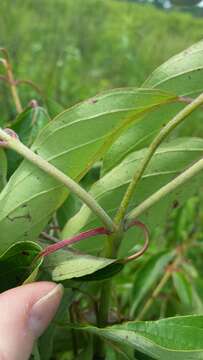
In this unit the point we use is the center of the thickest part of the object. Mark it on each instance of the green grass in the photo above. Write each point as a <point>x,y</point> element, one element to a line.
<point>74,49</point>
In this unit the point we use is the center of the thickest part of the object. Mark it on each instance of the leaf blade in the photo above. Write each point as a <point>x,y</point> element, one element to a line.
<point>168,162</point>
<point>72,142</point>
<point>3,169</point>
<point>182,75</point>
<point>16,264</point>
<point>147,276</point>
<point>179,337</point>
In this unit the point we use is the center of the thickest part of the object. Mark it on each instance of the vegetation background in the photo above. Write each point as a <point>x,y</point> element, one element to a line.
<point>73,49</point>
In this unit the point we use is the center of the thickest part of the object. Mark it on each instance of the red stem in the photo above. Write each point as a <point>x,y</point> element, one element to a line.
<point>82,236</point>
<point>98,231</point>
<point>146,243</point>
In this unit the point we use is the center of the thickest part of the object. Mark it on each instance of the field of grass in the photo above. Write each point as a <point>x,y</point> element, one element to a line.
<point>73,49</point>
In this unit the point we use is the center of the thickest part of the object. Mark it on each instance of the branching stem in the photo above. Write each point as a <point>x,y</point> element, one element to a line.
<point>171,125</point>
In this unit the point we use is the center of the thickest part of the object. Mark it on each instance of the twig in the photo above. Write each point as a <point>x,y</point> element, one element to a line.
<point>159,287</point>
<point>51,238</point>
<point>14,91</point>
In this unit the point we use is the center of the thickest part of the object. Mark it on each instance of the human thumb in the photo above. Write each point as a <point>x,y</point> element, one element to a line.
<point>25,312</point>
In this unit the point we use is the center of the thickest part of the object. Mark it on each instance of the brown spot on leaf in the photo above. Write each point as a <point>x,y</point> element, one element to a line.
<point>175,204</point>
<point>25,253</point>
<point>92,101</point>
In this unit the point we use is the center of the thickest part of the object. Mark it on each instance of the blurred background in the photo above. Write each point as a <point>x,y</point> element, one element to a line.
<point>73,49</point>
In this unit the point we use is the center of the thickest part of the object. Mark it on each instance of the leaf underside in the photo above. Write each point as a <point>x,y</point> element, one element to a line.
<point>72,142</point>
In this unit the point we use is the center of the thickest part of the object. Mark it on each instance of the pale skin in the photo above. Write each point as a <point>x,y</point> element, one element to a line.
<point>25,313</point>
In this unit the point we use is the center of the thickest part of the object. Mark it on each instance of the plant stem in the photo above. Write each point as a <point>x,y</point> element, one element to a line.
<point>159,287</point>
<point>104,303</point>
<point>50,238</point>
<point>103,314</point>
<point>28,154</point>
<point>114,240</point>
<point>12,84</point>
<point>76,238</point>
<point>73,333</point>
<point>165,190</point>
<point>171,125</point>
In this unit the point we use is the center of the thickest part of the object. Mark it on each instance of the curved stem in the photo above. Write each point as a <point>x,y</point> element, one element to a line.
<point>50,169</point>
<point>19,82</point>
<point>30,83</point>
<point>165,190</point>
<point>13,87</point>
<point>171,125</point>
<point>146,243</point>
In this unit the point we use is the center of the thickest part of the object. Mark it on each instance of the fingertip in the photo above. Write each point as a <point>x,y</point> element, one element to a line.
<point>25,313</point>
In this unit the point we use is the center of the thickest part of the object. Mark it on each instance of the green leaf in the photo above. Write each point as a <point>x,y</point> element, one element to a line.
<point>69,208</point>
<point>106,272</point>
<point>141,356</point>
<point>87,353</point>
<point>53,107</point>
<point>35,352</point>
<point>65,265</point>
<point>190,269</point>
<point>182,74</point>
<point>170,160</point>
<point>16,265</point>
<point>179,338</point>
<point>183,224</point>
<point>183,287</point>
<point>197,292</point>
<point>72,142</point>
<point>27,125</point>
<point>3,169</point>
<point>148,275</point>
<point>119,352</point>
<point>185,2</point>
<point>140,135</point>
